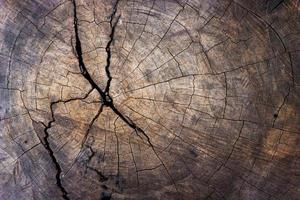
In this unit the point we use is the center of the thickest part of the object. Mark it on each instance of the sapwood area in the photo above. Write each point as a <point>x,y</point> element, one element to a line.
<point>149,99</point>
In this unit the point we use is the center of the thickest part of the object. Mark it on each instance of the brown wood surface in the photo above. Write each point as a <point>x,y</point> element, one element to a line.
<point>149,99</point>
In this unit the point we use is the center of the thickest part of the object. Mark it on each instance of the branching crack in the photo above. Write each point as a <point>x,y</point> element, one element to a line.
<point>47,146</point>
<point>106,98</point>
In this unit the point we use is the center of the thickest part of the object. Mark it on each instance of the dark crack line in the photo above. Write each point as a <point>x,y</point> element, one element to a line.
<point>47,146</point>
<point>53,158</point>
<point>134,162</point>
<point>276,33</point>
<point>118,151</point>
<point>276,115</point>
<point>226,94</point>
<point>86,135</point>
<point>108,47</point>
<point>274,6</point>
<point>91,125</point>
<point>11,57</point>
<point>223,164</point>
<point>82,67</point>
<point>106,99</point>
<point>100,175</point>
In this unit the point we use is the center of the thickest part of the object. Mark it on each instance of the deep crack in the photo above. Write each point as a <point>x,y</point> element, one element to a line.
<point>188,99</point>
<point>107,49</point>
<point>106,98</point>
<point>51,153</point>
<point>47,146</point>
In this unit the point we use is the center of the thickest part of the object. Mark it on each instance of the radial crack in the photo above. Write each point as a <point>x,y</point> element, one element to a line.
<point>53,158</point>
<point>106,99</point>
<point>47,146</point>
<point>108,46</point>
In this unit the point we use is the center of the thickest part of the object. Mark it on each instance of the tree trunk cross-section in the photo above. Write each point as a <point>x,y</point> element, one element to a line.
<point>149,99</point>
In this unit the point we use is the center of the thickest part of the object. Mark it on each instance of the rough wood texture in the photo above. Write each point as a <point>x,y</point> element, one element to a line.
<point>157,99</point>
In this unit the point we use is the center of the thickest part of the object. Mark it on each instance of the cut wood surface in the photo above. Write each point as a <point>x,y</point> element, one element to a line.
<point>149,99</point>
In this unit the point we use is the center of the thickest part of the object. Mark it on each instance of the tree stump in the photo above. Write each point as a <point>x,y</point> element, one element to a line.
<point>156,99</point>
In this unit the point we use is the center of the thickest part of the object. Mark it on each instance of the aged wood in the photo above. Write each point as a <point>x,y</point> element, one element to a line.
<point>156,99</point>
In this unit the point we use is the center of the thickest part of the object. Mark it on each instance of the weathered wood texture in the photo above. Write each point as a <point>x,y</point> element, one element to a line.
<point>156,99</point>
